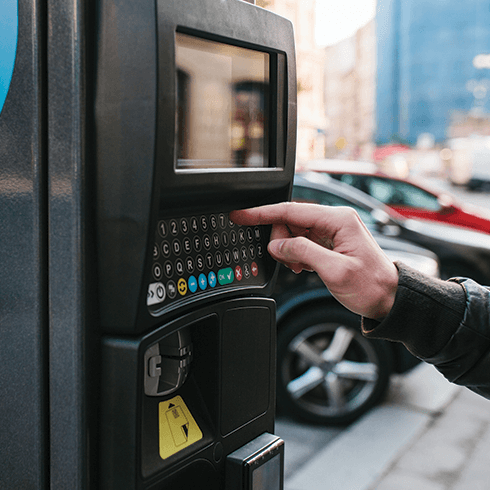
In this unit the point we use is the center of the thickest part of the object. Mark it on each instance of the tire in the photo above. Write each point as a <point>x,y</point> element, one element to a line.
<point>325,382</point>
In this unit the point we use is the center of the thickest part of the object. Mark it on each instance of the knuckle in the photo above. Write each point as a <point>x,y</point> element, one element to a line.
<point>350,212</point>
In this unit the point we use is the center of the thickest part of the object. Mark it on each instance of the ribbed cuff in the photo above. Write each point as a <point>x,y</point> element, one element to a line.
<point>425,315</point>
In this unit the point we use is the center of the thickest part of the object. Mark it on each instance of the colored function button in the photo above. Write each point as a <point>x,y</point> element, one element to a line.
<point>182,287</point>
<point>246,271</point>
<point>203,282</point>
<point>192,282</point>
<point>226,276</point>
<point>212,279</point>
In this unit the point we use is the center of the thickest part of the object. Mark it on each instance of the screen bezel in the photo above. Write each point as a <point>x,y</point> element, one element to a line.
<point>234,23</point>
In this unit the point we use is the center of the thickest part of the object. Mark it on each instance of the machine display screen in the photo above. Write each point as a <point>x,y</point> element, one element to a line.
<point>223,107</point>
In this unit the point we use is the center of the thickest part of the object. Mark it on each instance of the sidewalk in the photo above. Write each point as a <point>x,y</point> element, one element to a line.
<point>429,435</point>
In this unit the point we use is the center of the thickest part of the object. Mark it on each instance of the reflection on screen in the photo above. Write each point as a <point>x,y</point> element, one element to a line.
<point>222,105</point>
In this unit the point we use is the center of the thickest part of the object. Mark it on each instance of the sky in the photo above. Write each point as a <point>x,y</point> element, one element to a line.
<point>339,19</point>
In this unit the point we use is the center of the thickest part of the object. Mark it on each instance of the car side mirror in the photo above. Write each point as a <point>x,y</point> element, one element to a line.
<point>446,204</point>
<point>384,223</point>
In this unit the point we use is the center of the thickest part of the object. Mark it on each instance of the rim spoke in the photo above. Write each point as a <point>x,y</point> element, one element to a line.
<point>364,371</point>
<point>309,354</point>
<point>333,386</point>
<point>339,345</point>
<point>306,382</point>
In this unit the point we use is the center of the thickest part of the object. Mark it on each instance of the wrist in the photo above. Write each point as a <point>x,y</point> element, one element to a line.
<point>388,287</point>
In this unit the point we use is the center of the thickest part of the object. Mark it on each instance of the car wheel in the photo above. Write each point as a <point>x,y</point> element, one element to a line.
<point>327,371</point>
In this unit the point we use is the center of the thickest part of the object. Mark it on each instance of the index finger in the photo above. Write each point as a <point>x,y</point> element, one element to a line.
<point>303,215</point>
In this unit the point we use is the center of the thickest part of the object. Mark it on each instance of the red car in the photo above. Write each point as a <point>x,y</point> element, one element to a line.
<point>408,197</point>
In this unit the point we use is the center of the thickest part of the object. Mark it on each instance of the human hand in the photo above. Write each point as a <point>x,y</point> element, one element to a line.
<point>335,243</point>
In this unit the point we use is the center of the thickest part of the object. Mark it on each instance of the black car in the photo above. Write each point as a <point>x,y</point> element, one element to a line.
<point>327,371</point>
<point>461,251</point>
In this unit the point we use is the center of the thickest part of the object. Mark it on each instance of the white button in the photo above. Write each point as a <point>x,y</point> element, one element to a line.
<point>156,294</point>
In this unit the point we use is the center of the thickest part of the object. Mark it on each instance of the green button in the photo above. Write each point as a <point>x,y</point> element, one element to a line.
<point>226,276</point>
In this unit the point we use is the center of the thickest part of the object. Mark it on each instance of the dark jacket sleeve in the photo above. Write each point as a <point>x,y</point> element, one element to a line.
<point>445,323</point>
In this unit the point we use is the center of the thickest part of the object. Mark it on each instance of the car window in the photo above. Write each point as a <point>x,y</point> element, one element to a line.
<point>306,194</point>
<point>395,192</point>
<point>391,192</point>
<point>357,181</point>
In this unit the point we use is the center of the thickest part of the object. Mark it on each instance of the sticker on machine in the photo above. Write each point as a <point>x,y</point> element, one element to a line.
<point>178,429</point>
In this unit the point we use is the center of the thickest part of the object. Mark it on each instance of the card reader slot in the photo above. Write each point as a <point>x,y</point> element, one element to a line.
<point>167,363</point>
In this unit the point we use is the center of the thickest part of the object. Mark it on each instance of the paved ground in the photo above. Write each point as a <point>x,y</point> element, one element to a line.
<point>429,435</point>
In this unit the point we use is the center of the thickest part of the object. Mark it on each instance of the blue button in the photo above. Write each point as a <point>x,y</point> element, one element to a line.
<point>212,279</point>
<point>203,282</point>
<point>192,282</point>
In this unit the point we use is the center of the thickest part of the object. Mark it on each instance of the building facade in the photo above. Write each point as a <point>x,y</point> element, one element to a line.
<point>433,67</point>
<point>309,62</point>
<point>350,78</point>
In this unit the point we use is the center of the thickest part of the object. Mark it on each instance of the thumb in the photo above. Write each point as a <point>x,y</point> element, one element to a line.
<point>299,253</point>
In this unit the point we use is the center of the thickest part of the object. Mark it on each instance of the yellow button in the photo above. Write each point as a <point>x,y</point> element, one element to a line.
<point>182,287</point>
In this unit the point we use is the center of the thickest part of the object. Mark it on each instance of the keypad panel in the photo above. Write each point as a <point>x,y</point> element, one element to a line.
<point>198,254</point>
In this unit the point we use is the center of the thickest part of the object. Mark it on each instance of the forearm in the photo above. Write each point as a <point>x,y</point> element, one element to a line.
<point>446,324</point>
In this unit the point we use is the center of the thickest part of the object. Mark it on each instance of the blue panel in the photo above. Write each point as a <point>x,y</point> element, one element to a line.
<point>8,42</point>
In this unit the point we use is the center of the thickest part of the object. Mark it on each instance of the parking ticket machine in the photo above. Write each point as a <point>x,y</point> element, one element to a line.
<point>181,111</point>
